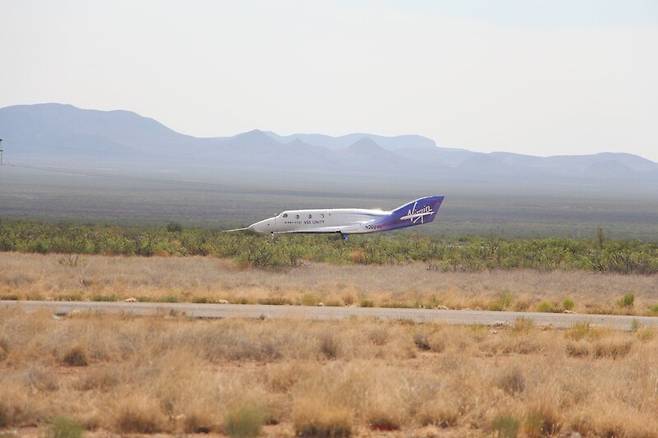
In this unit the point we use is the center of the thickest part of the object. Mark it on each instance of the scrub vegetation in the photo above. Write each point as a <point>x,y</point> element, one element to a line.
<point>288,378</point>
<point>469,254</point>
<point>73,277</point>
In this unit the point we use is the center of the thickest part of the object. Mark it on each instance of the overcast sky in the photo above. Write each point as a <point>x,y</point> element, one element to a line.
<point>539,77</point>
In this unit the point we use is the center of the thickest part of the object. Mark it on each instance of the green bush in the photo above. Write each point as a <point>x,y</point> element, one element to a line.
<point>627,300</point>
<point>174,227</point>
<point>310,299</point>
<point>503,302</point>
<point>505,426</point>
<point>568,304</point>
<point>244,421</point>
<point>63,427</point>
<point>463,254</point>
<point>547,307</point>
<point>367,303</point>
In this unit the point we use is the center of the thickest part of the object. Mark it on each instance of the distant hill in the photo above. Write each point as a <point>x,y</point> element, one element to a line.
<point>68,136</point>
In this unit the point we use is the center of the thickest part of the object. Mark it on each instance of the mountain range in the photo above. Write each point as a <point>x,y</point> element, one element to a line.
<point>65,135</point>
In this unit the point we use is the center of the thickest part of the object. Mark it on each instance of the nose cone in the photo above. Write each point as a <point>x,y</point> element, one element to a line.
<point>264,226</point>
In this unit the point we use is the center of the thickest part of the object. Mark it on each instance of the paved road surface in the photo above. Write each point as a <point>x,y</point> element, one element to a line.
<point>462,317</point>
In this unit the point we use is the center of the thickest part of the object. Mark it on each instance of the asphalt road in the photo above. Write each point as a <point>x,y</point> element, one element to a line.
<point>460,317</point>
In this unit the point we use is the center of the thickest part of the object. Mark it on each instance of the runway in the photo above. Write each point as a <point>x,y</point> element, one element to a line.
<point>459,317</point>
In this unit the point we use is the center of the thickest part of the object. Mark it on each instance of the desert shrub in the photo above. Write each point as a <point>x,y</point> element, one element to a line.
<point>16,408</point>
<point>521,305</point>
<point>645,334</point>
<point>348,300</point>
<point>328,346</point>
<point>422,341</point>
<point>310,299</point>
<point>139,416</point>
<point>39,379</point>
<point>568,304</point>
<point>522,325</point>
<point>40,247</point>
<point>511,381</point>
<point>440,413</point>
<point>547,307</point>
<point>77,296</point>
<point>541,420</point>
<point>384,422</point>
<point>275,301</point>
<point>244,421</point>
<point>174,227</point>
<point>635,325</point>
<point>75,357</point>
<point>196,422</point>
<point>505,426</point>
<point>577,349</point>
<point>313,419</point>
<point>463,254</point>
<point>627,300</point>
<point>367,303</point>
<point>503,302</point>
<point>429,341</point>
<point>102,379</point>
<point>517,345</point>
<point>64,427</point>
<point>437,343</point>
<point>265,254</point>
<point>582,330</point>
<point>654,309</point>
<point>9,297</point>
<point>4,415</point>
<point>4,349</point>
<point>107,298</point>
<point>378,335</point>
<point>70,260</point>
<point>612,349</point>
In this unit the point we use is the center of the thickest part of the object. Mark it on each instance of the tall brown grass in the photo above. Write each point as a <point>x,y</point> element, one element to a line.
<point>207,280</point>
<point>324,378</point>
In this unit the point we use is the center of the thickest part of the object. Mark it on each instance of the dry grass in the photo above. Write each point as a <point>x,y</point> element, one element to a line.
<point>205,279</point>
<point>333,379</point>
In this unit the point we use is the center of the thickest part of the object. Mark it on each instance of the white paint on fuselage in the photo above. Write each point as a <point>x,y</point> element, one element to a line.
<point>337,220</point>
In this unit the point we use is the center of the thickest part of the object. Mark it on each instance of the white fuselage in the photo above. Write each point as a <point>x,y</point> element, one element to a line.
<point>336,220</point>
<point>351,220</point>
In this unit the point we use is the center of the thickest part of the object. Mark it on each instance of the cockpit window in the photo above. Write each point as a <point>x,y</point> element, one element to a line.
<point>285,214</point>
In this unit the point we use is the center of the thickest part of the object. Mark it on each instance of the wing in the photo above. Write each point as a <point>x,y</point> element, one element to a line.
<point>356,227</point>
<point>316,230</point>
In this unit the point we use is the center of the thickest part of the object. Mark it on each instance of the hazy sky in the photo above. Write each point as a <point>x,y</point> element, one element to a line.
<point>541,77</point>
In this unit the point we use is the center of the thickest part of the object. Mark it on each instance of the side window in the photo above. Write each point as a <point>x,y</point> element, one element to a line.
<point>296,216</point>
<point>310,216</point>
<point>322,215</point>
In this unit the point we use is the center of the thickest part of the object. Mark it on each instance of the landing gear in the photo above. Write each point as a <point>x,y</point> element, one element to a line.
<point>344,237</point>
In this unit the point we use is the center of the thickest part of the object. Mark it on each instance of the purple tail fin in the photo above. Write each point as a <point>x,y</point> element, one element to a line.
<point>420,211</point>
